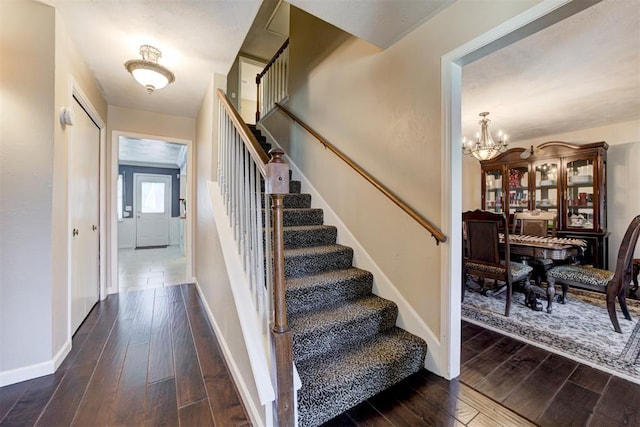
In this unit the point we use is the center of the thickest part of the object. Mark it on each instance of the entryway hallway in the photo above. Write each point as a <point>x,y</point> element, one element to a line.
<point>151,268</point>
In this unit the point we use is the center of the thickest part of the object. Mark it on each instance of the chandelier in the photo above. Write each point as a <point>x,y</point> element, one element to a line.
<point>147,71</point>
<point>484,147</point>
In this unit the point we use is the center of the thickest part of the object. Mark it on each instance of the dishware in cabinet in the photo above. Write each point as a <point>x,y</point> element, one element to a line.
<point>546,174</point>
<point>584,193</point>
<point>556,176</point>
<point>492,195</point>
<point>518,187</point>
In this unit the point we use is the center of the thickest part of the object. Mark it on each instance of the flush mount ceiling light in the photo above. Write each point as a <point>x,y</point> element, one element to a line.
<point>147,71</point>
<point>484,147</point>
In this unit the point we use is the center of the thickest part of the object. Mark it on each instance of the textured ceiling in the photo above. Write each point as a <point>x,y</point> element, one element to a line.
<point>196,37</point>
<point>381,22</point>
<point>580,73</point>
<point>149,151</point>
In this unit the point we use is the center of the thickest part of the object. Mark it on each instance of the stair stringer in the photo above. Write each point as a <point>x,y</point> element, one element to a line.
<point>255,341</point>
<point>408,319</point>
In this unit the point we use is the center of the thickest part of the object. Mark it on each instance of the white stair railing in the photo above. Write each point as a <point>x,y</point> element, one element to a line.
<point>243,168</point>
<point>273,81</point>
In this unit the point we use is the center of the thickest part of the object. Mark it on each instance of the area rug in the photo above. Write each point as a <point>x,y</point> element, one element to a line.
<point>579,329</point>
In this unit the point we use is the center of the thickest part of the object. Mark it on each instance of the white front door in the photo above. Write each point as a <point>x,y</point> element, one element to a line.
<point>84,205</point>
<point>152,206</point>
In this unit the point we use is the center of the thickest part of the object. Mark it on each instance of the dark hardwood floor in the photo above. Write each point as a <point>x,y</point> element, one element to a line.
<point>150,358</point>
<point>504,382</point>
<point>140,358</point>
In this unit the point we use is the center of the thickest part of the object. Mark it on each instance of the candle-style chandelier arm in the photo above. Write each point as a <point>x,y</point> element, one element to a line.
<point>484,147</point>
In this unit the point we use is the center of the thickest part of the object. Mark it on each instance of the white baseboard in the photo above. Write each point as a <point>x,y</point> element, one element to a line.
<point>26,373</point>
<point>408,318</point>
<point>61,354</point>
<point>254,412</point>
<point>30,372</point>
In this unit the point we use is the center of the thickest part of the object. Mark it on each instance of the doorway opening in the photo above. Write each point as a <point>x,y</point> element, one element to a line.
<point>248,89</point>
<point>531,21</point>
<point>151,205</point>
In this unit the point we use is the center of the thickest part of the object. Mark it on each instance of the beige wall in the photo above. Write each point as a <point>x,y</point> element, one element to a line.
<point>145,122</point>
<point>38,64</point>
<point>382,108</point>
<point>69,67</point>
<point>26,170</point>
<point>210,270</point>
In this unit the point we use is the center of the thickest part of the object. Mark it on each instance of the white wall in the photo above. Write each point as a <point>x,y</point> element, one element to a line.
<point>382,109</point>
<point>623,194</point>
<point>126,233</point>
<point>210,268</point>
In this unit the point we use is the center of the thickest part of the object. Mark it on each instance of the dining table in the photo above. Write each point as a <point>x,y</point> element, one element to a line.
<point>542,252</point>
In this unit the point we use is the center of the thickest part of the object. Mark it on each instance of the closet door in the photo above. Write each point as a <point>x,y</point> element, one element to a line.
<point>84,208</point>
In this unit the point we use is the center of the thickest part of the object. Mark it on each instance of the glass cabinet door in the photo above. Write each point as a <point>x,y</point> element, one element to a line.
<point>580,193</point>
<point>518,188</point>
<point>493,190</point>
<point>546,197</point>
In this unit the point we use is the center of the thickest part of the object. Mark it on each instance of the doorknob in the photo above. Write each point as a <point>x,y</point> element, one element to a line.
<point>75,232</point>
<point>94,228</point>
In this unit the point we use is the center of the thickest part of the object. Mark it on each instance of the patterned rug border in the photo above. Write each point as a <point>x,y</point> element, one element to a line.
<point>625,363</point>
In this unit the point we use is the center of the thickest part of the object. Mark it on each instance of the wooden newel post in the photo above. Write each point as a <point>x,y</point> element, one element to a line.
<point>277,185</point>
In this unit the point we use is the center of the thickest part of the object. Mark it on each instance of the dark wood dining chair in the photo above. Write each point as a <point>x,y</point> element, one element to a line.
<point>535,223</point>
<point>482,258</point>
<point>614,283</point>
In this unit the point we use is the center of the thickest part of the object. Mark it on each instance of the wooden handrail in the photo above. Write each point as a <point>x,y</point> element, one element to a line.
<point>252,144</point>
<point>435,232</point>
<point>272,60</point>
<point>264,71</point>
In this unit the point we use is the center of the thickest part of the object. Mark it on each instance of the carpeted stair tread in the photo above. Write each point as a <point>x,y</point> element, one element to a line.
<point>345,342</point>
<point>334,328</point>
<point>294,201</point>
<point>333,383</point>
<point>295,216</point>
<point>317,259</point>
<point>309,235</point>
<point>328,289</point>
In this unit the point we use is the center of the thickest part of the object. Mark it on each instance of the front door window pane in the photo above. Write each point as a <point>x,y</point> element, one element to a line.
<point>152,197</point>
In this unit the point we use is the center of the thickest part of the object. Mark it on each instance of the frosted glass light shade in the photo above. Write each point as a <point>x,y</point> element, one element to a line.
<point>150,78</point>
<point>147,71</point>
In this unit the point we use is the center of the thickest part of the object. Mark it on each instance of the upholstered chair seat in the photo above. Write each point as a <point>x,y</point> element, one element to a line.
<point>519,271</point>
<point>583,274</point>
<point>614,283</point>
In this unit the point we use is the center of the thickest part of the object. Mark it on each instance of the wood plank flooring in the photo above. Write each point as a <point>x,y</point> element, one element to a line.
<point>149,358</point>
<point>140,358</point>
<point>503,382</point>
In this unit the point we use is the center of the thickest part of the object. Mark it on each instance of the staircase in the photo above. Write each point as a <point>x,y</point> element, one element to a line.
<point>346,346</point>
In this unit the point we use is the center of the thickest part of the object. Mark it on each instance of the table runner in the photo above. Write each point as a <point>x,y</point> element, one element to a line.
<point>524,238</point>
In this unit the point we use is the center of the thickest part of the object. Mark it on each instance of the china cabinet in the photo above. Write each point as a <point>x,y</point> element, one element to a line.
<point>560,177</point>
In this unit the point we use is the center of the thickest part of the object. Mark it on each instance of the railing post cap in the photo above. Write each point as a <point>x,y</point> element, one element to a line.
<point>276,155</point>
